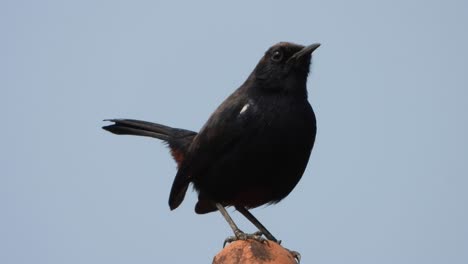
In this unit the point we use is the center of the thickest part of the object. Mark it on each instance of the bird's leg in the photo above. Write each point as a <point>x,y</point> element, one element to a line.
<point>265,231</point>
<point>228,218</point>
<point>238,234</point>
<point>257,223</point>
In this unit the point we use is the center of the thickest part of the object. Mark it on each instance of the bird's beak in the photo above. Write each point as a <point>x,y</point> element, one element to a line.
<point>304,52</point>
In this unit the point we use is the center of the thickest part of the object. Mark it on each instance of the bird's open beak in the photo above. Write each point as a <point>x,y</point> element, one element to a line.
<point>304,52</point>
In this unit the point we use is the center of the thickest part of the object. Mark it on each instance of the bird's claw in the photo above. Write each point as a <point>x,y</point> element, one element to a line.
<point>257,236</point>
<point>296,255</point>
<point>239,235</point>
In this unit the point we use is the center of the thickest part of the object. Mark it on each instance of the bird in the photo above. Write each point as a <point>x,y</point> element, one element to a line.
<point>253,149</point>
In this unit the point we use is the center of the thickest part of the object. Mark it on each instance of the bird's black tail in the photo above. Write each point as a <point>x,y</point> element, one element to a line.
<point>139,128</point>
<point>178,139</point>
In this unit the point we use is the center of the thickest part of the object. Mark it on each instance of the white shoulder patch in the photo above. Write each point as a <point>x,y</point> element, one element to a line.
<point>246,106</point>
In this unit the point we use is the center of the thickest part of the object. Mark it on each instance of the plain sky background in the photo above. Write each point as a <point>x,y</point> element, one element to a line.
<point>387,181</point>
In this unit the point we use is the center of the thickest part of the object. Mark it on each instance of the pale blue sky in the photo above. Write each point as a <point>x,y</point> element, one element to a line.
<point>387,181</point>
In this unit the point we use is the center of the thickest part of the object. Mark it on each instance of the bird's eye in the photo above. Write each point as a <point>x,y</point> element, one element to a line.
<point>277,56</point>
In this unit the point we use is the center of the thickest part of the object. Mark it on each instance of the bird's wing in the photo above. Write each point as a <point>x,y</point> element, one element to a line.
<point>222,132</point>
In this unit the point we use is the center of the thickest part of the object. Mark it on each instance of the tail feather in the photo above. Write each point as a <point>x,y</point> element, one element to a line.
<point>179,141</point>
<point>139,128</point>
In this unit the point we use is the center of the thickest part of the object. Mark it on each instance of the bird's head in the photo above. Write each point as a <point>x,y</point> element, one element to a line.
<point>284,67</point>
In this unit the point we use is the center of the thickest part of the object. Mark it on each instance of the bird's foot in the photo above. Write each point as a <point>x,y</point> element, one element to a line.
<point>296,255</point>
<point>239,235</point>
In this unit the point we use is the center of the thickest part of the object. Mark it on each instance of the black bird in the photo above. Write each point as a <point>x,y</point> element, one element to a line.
<point>253,149</point>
